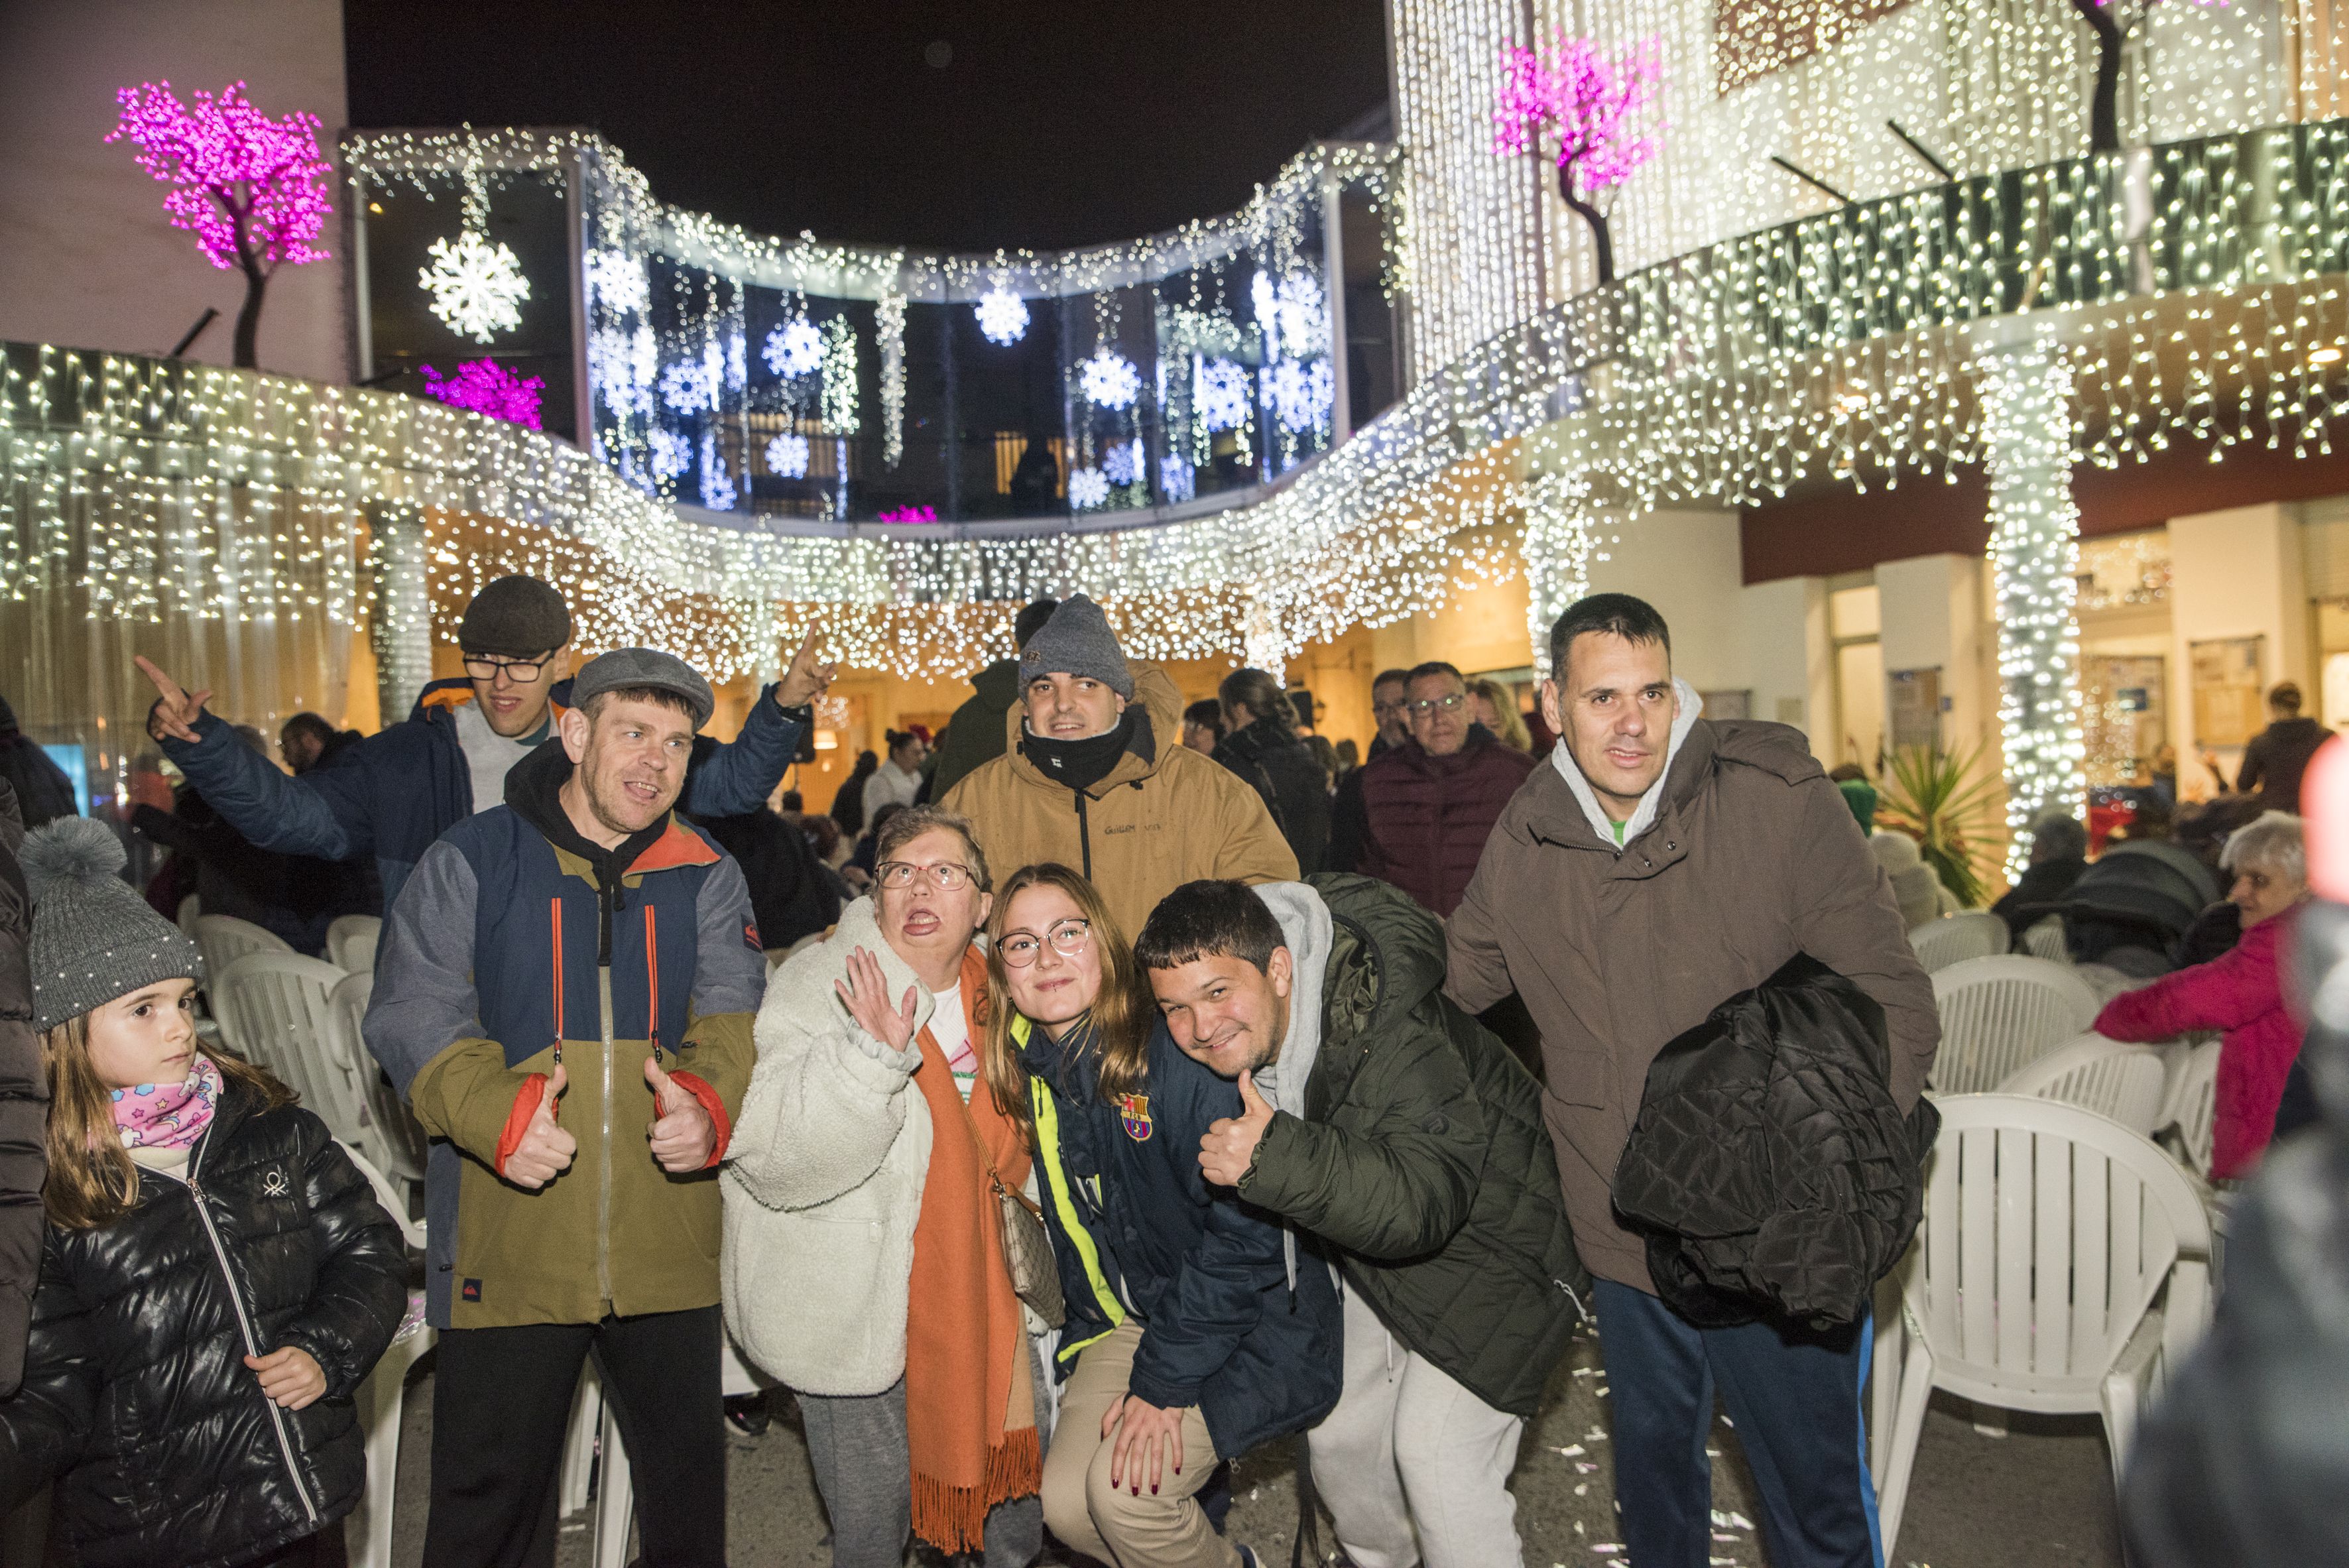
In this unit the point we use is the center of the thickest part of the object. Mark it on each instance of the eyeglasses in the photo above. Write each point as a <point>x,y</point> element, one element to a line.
<point>945,876</point>
<point>1380,709</point>
<point>1068,939</point>
<point>1428,705</point>
<point>522,672</point>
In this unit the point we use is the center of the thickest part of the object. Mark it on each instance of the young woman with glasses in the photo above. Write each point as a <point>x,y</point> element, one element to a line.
<point>864,1261</point>
<point>1181,1346</point>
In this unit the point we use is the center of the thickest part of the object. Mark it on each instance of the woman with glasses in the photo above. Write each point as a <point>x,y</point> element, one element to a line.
<point>1189,1339</point>
<point>864,1261</point>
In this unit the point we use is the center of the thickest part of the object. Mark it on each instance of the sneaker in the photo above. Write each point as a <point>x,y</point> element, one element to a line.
<point>747,1414</point>
<point>1248,1558</point>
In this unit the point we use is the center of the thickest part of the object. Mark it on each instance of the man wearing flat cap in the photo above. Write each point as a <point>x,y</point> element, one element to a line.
<point>395,792</point>
<point>1097,777</point>
<point>564,993</point>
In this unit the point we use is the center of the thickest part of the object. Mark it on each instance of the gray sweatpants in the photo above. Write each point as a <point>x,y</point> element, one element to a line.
<point>1407,1446</point>
<point>857,1447</point>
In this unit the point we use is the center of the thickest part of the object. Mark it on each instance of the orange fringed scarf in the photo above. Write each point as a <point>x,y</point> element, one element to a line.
<point>970,1406</point>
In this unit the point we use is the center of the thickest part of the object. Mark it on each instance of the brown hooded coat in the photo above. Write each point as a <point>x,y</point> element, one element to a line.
<point>1753,858</point>
<point>1165,815</point>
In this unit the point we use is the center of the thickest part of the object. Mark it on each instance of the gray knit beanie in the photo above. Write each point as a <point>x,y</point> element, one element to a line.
<point>94,938</point>
<point>1076,641</point>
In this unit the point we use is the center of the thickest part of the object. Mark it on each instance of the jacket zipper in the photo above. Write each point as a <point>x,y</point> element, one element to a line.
<point>1084,837</point>
<point>245,1328</point>
<point>652,979</point>
<point>606,898</point>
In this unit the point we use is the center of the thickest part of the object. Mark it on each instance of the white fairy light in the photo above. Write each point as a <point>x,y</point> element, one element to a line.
<point>1002,316</point>
<point>840,416</point>
<point>477,286</point>
<point>1302,393</point>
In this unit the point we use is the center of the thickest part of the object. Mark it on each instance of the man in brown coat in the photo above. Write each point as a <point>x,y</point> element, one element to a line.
<point>1659,864</point>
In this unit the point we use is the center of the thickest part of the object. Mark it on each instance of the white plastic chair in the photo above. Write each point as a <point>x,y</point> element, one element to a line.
<point>2045,940</point>
<point>615,1497</point>
<point>1954,938</point>
<point>272,1009</point>
<point>367,1532</point>
<point>2049,1233</point>
<point>224,939</point>
<point>2124,1082</point>
<point>350,943</point>
<point>2192,1107</point>
<point>2000,1014</point>
<point>393,1141</point>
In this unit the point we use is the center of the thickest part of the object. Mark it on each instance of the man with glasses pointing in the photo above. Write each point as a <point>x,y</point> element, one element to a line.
<point>1429,804</point>
<point>397,791</point>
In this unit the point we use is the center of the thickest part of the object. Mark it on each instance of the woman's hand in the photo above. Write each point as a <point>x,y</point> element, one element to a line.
<point>866,997</point>
<point>1147,1436</point>
<point>291,1377</point>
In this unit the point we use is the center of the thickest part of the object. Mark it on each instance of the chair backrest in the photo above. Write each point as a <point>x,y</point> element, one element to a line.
<point>2193,1104</point>
<point>393,1137</point>
<point>2127,1083</point>
<point>189,907</point>
<point>388,1195</point>
<point>1954,938</point>
<point>350,943</point>
<point>2047,1232</point>
<point>2045,940</point>
<point>1999,1014</point>
<point>225,939</point>
<point>272,1011</point>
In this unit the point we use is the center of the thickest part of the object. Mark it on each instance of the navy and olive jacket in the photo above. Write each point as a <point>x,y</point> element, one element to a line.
<point>516,938</point>
<point>399,789</point>
<point>1137,1230</point>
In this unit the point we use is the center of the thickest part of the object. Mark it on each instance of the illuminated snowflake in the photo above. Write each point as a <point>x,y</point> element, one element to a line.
<point>736,372</point>
<point>1088,487</point>
<point>688,387</point>
<point>615,281</point>
<point>787,456</point>
<point>477,286</point>
<point>672,454</point>
<point>1176,478</point>
<point>1125,465</point>
<point>838,399</point>
<point>1219,394</point>
<point>793,349</point>
<point>1302,393</point>
<point>621,365</point>
<point>1288,312</point>
<point>717,485</point>
<point>1109,379</point>
<point>1002,316</point>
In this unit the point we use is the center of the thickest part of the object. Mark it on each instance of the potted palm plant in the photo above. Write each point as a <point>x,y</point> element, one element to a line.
<point>1951,807</point>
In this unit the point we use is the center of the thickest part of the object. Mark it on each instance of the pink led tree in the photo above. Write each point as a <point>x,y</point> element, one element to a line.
<point>251,189</point>
<point>1589,104</point>
<point>485,386</point>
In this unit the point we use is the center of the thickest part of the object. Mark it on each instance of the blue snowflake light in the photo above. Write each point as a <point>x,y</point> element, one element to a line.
<point>1109,379</point>
<point>1002,316</point>
<point>1177,478</point>
<point>1219,394</point>
<point>793,349</point>
<point>1088,487</point>
<point>716,486</point>
<point>787,456</point>
<point>1126,464</point>
<point>672,455</point>
<point>1302,393</point>
<point>688,386</point>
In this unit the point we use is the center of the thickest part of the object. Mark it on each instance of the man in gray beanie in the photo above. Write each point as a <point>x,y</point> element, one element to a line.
<point>1097,777</point>
<point>395,792</point>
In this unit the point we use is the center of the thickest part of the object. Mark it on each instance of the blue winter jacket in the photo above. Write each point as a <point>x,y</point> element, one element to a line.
<point>1136,1228</point>
<point>396,791</point>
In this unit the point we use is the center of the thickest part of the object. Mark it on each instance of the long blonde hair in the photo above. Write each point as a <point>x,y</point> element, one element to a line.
<point>1512,731</point>
<point>1121,1017</point>
<point>92,1180</point>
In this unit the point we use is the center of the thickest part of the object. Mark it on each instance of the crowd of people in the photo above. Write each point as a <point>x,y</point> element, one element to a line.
<point>1097,1091</point>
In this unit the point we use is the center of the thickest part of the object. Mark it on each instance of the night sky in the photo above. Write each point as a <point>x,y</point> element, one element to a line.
<point>1046,125</point>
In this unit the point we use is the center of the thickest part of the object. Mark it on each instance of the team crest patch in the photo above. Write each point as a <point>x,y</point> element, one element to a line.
<point>1134,1111</point>
<point>751,938</point>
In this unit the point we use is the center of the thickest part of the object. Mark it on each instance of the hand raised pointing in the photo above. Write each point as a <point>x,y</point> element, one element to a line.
<point>1229,1147</point>
<point>681,1135</point>
<point>175,714</point>
<point>809,676</point>
<point>546,1150</point>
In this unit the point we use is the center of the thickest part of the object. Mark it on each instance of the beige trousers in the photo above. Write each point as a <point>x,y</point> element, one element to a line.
<point>1165,1529</point>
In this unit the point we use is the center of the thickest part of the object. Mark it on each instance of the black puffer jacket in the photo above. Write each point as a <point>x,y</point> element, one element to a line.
<point>1276,761</point>
<point>137,1398</point>
<point>1770,1170</point>
<point>1422,1159</point>
<point>23,1107</point>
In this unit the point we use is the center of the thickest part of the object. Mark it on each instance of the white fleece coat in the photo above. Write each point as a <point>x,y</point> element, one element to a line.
<point>822,1180</point>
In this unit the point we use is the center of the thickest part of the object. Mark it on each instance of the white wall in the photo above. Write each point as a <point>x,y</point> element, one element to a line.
<point>1932,616</point>
<point>87,258</point>
<point>2238,574</point>
<point>1685,563</point>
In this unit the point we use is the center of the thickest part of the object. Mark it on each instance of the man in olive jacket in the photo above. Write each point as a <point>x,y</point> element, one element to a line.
<point>1657,865</point>
<point>1409,1143</point>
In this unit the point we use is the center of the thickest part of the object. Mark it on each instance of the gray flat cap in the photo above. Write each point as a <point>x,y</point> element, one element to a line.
<point>628,669</point>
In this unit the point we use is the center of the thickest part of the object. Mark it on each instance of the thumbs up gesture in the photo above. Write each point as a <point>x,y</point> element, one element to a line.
<point>546,1150</point>
<point>681,1135</point>
<point>1229,1148</point>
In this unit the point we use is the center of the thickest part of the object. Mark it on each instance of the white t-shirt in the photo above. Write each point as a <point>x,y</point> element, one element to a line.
<point>489,756</point>
<point>890,785</point>
<point>952,1032</point>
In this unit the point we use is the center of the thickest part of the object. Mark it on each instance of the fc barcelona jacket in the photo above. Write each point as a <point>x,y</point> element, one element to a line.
<point>1137,1231</point>
<point>516,938</point>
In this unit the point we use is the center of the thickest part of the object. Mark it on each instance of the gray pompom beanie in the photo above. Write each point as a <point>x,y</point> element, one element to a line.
<point>1076,641</point>
<point>94,938</point>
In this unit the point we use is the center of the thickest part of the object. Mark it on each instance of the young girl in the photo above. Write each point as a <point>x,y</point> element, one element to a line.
<point>217,1277</point>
